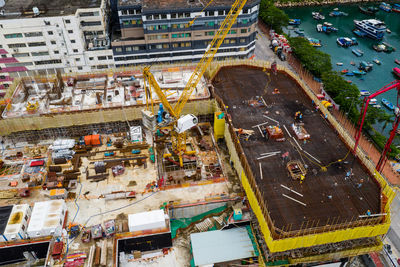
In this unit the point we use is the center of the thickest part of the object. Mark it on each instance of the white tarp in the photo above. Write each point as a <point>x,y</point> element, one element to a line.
<point>147,220</point>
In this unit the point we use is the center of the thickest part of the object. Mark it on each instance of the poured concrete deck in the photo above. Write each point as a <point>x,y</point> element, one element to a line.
<point>328,196</point>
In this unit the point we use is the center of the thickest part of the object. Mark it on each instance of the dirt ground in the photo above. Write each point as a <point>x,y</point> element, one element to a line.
<point>326,195</point>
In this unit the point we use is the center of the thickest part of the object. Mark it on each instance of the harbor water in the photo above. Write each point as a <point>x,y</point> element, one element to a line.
<point>381,74</point>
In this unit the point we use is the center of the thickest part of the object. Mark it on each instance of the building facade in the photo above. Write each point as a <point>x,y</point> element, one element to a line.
<point>53,36</point>
<point>156,31</point>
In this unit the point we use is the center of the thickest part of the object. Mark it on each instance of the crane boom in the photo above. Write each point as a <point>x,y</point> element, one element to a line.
<point>201,66</point>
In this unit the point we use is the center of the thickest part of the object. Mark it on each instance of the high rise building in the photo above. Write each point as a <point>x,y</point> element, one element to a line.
<point>40,37</point>
<point>158,31</point>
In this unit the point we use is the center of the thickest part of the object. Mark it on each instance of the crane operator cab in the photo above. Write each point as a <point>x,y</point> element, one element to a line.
<point>186,122</point>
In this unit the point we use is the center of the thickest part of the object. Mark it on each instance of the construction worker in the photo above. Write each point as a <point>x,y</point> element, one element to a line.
<point>369,213</point>
<point>302,178</point>
<point>298,116</point>
<point>360,183</point>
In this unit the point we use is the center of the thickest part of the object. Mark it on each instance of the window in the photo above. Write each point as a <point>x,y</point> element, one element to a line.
<point>53,42</point>
<point>163,16</point>
<point>245,11</point>
<point>67,21</point>
<point>149,17</point>
<point>245,21</point>
<point>99,32</point>
<point>209,13</point>
<point>50,32</point>
<point>181,35</point>
<point>243,30</point>
<point>23,227</point>
<point>211,23</point>
<point>56,52</point>
<point>33,34</point>
<point>102,58</point>
<point>16,45</point>
<point>21,55</point>
<point>75,50</point>
<point>118,49</point>
<point>90,23</point>
<point>110,57</point>
<point>89,14</point>
<point>91,58</point>
<point>210,33</point>
<point>73,41</point>
<point>174,16</point>
<point>35,44</point>
<point>44,62</point>
<point>242,40</point>
<point>13,35</point>
<point>79,68</point>
<point>43,53</point>
<point>128,48</point>
<point>220,12</point>
<point>70,31</point>
<point>232,32</point>
<point>3,56</point>
<point>77,59</point>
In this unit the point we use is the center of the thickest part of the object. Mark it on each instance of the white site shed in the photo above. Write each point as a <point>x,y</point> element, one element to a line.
<point>47,218</point>
<point>18,222</point>
<point>147,220</point>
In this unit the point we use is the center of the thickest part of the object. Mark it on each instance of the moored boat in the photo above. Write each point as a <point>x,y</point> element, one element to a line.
<point>314,42</point>
<point>368,10</point>
<point>337,13</point>
<point>396,71</point>
<point>373,101</point>
<point>344,71</point>
<point>317,16</point>
<point>388,47</point>
<point>396,8</point>
<point>352,63</point>
<point>339,63</point>
<point>299,32</point>
<point>359,72</point>
<point>377,61</point>
<point>350,73</point>
<point>379,47</point>
<point>357,52</point>
<point>346,41</point>
<point>364,93</point>
<point>374,28</point>
<point>359,33</point>
<point>397,61</point>
<point>387,104</point>
<point>385,7</point>
<point>365,66</point>
<point>294,21</point>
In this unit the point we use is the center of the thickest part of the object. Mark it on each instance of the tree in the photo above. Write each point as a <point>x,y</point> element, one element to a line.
<point>273,16</point>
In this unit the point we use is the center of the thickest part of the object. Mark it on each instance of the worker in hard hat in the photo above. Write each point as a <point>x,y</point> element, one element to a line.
<point>298,116</point>
<point>302,178</point>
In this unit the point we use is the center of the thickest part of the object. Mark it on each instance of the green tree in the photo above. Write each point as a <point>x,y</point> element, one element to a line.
<point>273,16</point>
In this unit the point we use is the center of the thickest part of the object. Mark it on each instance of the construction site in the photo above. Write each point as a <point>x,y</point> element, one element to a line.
<point>219,163</point>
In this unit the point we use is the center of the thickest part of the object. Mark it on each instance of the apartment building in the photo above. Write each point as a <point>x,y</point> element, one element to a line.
<point>41,37</point>
<point>156,31</point>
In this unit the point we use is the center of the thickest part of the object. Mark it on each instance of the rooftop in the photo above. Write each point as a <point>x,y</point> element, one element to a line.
<point>24,9</point>
<point>221,246</point>
<point>324,196</point>
<point>183,4</point>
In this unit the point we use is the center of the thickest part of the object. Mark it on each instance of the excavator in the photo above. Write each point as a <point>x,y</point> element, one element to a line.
<point>179,124</point>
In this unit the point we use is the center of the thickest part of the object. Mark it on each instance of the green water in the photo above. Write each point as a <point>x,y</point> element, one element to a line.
<point>381,74</point>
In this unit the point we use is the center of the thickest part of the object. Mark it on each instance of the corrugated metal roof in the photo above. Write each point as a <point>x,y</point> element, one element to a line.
<point>221,246</point>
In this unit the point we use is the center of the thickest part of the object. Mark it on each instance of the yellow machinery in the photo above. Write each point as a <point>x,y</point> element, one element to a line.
<point>32,107</point>
<point>177,126</point>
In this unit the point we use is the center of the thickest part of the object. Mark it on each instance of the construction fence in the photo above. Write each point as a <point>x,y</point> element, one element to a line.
<point>308,236</point>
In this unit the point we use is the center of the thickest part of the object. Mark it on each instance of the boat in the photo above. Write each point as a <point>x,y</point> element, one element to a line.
<point>359,33</point>
<point>350,73</point>
<point>389,48</point>
<point>365,66</point>
<point>299,32</point>
<point>319,27</point>
<point>357,52</point>
<point>346,41</point>
<point>364,93</point>
<point>344,71</point>
<point>337,13</point>
<point>385,7</point>
<point>352,63</point>
<point>376,106</point>
<point>377,61</point>
<point>359,72</point>
<point>396,8</point>
<point>396,71</point>
<point>397,61</point>
<point>387,104</point>
<point>314,42</point>
<point>349,81</point>
<point>388,30</point>
<point>374,28</point>
<point>379,47</point>
<point>339,63</point>
<point>373,101</point>
<point>368,10</point>
<point>294,21</point>
<point>317,16</point>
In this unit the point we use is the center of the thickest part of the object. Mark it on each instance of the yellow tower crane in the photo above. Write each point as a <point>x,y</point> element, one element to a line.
<point>180,124</point>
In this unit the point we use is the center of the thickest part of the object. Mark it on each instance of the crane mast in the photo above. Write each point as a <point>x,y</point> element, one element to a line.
<point>178,139</point>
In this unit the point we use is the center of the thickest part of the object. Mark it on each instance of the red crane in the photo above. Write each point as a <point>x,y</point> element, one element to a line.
<point>382,159</point>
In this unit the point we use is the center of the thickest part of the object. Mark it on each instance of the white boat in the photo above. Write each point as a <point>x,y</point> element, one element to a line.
<point>376,106</point>
<point>365,93</point>
<point>372,27</point>
<point>373,101</point>
<point>339,63</point>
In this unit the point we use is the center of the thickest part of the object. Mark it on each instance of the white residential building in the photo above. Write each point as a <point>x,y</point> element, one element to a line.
<point>40,37</point>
